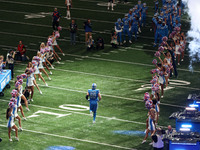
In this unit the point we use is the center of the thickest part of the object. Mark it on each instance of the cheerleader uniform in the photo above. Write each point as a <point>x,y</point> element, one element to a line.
<point>40,64</point>
<point>161,78</point>
<point>15,111</point>
<point>151,126</point>
<point>37,71</point>
<point>11,123</point>
<point>30,80</point>
<point>176,49</point>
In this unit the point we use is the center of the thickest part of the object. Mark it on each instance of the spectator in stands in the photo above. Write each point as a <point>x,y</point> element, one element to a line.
<point>55,19</point>
<point>114,42</point>
<point>90,43</point>
<point>100,43</point>
<point>10,60</point>
<point>73,29</point>
<point>21,52</point>
<point>169,130</point>
<point>88,29</point>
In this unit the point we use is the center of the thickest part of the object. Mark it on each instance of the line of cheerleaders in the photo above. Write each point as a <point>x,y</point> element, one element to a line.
<point>34,68</point>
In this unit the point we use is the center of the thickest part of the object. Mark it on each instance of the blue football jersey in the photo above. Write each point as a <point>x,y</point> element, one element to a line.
<point>119,25</point>
<point>93,95</point>
<point>126,22</point>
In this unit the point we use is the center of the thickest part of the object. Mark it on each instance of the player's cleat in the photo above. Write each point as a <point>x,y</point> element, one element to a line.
<point>181,59</point>
<point>58,62</point>
<point>93,122</point>
<point>130,41</point>
<point>139,30</point>
<point>59,58</point>
<point>50,72</point>
<point>124,41</point>
<point>17,138</point>
<point>144,141</point>
<point>27,109</point>
<point>112,9</point>
<point>46,84</point>
<point>151,143</point>
<point>10,140</point>
<point>63,54</point>
<point>31,100</point>
<point>49,78</point>
<point>24,118</point>
<point>20,129</point>
<point>162,96</point>
<point>39,79</point>
<point>52,67</point>
<point>41,92</point>
<point>178,64</point>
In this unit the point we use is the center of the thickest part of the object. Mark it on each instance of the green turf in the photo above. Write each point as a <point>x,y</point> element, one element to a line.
<point>118,76</point>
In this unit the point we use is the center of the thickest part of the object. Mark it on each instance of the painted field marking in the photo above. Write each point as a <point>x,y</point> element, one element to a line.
<point>113,51</point>
<point>69,61</point>
<point>35,114</point>
<point>76,139</point>
<point>105,53</point>
<point>122,50</point>
<point>74,107</point>
<point>78,59</point>
<point>96,55</point>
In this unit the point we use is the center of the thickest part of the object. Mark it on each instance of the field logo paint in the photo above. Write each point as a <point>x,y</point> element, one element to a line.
<point>39,15</point>
<point>60,148</point>
<point>72,107</point>
<point>172,82</point>
<point>104,4</point>
<point>49,113</point>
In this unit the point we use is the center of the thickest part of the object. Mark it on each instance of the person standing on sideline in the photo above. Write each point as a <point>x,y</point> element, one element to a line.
<point>21,52</point>
<point>95,97</point>
<point>73,29</point>
<point>111,3</point>
<point>68,4</point>
<point>55,19</point>
<point>88,29</point>
<point>10,60</point>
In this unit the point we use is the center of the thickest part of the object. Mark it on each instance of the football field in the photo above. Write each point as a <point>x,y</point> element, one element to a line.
<point>60,116</point>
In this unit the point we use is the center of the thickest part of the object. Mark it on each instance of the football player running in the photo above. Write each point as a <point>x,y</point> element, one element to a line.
<point>95,97</point>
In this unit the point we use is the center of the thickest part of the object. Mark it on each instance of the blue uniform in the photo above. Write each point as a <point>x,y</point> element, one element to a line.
<point>126,31</point>
<point>163,31</point>
<point>158,32</point>
<point>156,6</point>
<point>93,94</point>
<point>151,125</point>
<point>143,15</point>
<point>134,27</point>
<point>176,25</point>
<point>119,26</point>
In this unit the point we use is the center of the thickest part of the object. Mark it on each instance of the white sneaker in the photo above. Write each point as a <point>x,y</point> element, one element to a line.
<point>24,118</point>
<point>124,41</point>
<point>31,100</point>
<point>46,84</point>
<point>139,30</point>
<point>49,78</point>
<point>181,59</point>
<point>178,64</point>
<point>112,9</point>
<point>162,96</point>
<point>94,122</point>
<point>58,62</point>
<point>41,92</point>
<point>52,67</point>
<point>108,8</point>
<point>63,54</point>
<point>17,138</point>
<point>91,114</point>
<point>130,41</point>
<point>19,110</point>
<point>145,130</point>
<point>59,58</point>
<point>10,140</point>
<point>27,109</point>
<point>144,141</point>
<point>151,143</point>
<point>13,130</point>
<point>20,129</point>
<point>50,72</point>
<point>40,72</point>
<point>39,79</point>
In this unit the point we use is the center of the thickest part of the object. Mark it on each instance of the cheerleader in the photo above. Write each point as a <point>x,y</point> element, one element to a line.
<point>177,50</point>
<point>68,4</point>
<point>43,51</point>
<point>40,67</point>
<point>151,124</point>
<point>14,112</point>
<point>31,80</point>
<point>49,44</point>
<point>11,124</point>
<point>57,35</point>
<point>37,72</point>
<point>182,44</point>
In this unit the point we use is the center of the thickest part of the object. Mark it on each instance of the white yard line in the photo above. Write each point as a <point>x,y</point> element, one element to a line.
<point>76,139</point>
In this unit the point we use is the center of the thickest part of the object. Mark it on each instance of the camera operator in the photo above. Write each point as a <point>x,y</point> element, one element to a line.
<point>158,143</point>
<point>10,60</point>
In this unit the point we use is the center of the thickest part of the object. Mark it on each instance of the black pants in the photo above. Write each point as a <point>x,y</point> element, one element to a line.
<point>55,25</point>
<point>11,67</point>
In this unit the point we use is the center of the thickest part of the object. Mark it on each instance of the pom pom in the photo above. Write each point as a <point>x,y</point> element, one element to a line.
<point>153,71</point>
<point>42,51</point>
<point>163,43</point>
<point>20,81</point>
<point>149,104</point>
<point>24,76</point>
<point>47,49</point>
<point>171,35</point>
<point>180,50</point>
<point>11,105</point>
<point>153,81</point>
<point>17,84</point>
<point>57,34</point>
<point>13,100</point>
<point>165,38</point>
<point>36,58</point>
<point>161,49</point>
<point>155,87</point>
<point>35,63</point>
<point>14,93</point>
<point>146,96</point>
<point>157,54</point>
<point>161,73</point>
<point>154,62</point>
<point>59,28</point>
<point>19,77</point>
